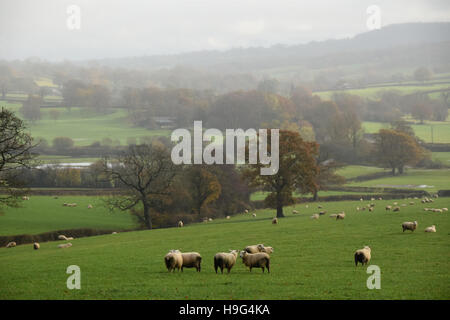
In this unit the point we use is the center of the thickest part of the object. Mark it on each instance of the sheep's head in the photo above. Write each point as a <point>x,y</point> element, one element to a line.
<point>367,247</point>
<point>415,223</point>
<point>268,250</point>
<point>234,252</point>
<point>260,247</point>
<point>243,253</point>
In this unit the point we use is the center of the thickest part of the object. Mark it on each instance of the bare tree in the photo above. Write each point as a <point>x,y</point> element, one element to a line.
<point>15,154</point>
<point>146,172</point>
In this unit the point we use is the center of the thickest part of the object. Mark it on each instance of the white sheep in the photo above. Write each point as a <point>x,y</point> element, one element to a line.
<point>315,216</point>
<point>409,226</point>
<point>180,224</point>
<point>191,260</point>
<point>62,237</point>
<point>371,209</point>
<point>228,217</point>
<point>36,246</point>
<point>256,260</point>
<point>11,244</point>
<point>340,216</point>
<point>210,219</point>
<point>275,220</point>
<point>254,215</point>
<point>431,229</point>
<point>225,260</point>
<point>294,211</point>
<point>268,250</point>
<point>246,211</point>
<point>363,255</point>
<point>69,238</point>
<point>395,209</point>
<point>65,245</point>
<point>173,260</point>
<point>254,248</point>
<point>444,209</point>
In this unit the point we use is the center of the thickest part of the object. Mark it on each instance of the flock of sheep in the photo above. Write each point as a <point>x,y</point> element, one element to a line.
<point>255,256</point>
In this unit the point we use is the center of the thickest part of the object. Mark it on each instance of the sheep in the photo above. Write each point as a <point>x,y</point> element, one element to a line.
<point>114,232</point>
<point>388,208</point>
<point>357,208</point>
<point>395,203</point>
<point>319,207</point>
<point>321,213</point>
<point>267,250</point>
<point>333,215</point>
<point>11,244</point>
<point>380,198</point>
<point>315,216</point>
<point>256,260</point>
<point>307,206</point>
<point>36,246</point>
<point>25,198</point>
<point>254,215</point>
<point>409,226</point>
<point>65,245</point>
<point>254,248</point>
<point>437,210</point>
<point>362,255</point>
<point>444,209</point>
<point>210,219</point>
<point>225,260</point>
<point>228,217</point>
<point>340,216</point>
<point>180,224</point>
<point>431,229</point>
<point>361,199</point>
<point>395,209</point>
<point>69,238</point>
<point>62,237</point>
<point>294,211</point>
<point>403,204</point>
<point>173,260</point>
<point>411,203</point>
<point>89,206</point>
<point>371,209</point>
<point>246,211</point>
<point>275,220</point>
<point>372,199</point>
<point>191,260</point>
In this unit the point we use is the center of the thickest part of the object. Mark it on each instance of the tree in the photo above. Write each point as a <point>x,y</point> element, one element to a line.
<point>327,176</point>
<point>421,110</point>
<point>297,170</point>
<point>15,153</point>
<point>31,108</point>
<point>204,187</point>
<point>54,114</point>
<point>422,74</point>
<point>146,172</point>
<point>62,143</point>
<point>395,149</point>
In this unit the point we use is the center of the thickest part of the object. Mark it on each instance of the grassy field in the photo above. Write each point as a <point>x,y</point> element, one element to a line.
<point>85,128</point>
<point>43,213</point>
<point>444,157</point>
<point>431,131</point>
<point>313,259</point>
<point>414,178</point>
<point>354,171</point>
<point>64,159</point>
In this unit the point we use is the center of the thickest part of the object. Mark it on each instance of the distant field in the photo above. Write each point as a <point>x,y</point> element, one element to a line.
<point>45,82</point>
<point>85,128</point>
<point>43,213</point>
<point>428,180</point>
<point>63,159</point>
<point>431,131</point>
<point>444,157</point>
<point>354,171</point>
<point>312,259</point>
<point>261,195</point>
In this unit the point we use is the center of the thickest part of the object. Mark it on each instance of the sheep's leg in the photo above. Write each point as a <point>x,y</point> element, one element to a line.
<point>262,269</point>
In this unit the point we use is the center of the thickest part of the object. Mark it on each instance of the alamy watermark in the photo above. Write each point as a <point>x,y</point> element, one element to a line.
<point>374,280</point>
<point>74,280</point>
<point>373,22</point>
<point>213,153</point>
<point>73,21</point>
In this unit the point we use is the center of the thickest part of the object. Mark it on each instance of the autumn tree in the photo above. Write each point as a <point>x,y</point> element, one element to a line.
<point>297,170</point>
<point>145,172</point>
<point>327,176</point>
<point>204,187</point>
<point>15,153</point>
<point>396,149</point>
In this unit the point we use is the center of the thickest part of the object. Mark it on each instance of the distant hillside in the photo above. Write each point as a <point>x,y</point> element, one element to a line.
<point>251,59</point>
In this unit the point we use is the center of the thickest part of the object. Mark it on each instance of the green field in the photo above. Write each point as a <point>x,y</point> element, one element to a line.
<point>43,213</point>
<point>430,180</point>
<point>313,259</point>
<point>430,131</point>
<point>444,157</point>
<point>85,128</point>
<point>354,171</point>
<point>64,159</point>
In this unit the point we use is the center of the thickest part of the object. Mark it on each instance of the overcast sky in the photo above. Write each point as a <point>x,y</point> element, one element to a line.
<point>122,28</point>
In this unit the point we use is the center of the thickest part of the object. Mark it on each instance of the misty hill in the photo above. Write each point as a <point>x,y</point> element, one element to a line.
<point>410,38</point>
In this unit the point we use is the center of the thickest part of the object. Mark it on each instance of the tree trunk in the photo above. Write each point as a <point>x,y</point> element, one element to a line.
<point>279,206</point>
<point>315,196</point>
<point>147,218</point>
<point>400,170</point>
<point>393,171</point>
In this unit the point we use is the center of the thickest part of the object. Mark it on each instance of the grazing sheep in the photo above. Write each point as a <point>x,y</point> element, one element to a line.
<point>294,211</point>
<point>173,260</point>
<point>254,215</point>
<point>409,226</point>
<point>180,224</point>
<point>362,255</point>
<point>256,260</point>
<point>411,203</point>
<point>315,216</point>
<point>307,206</point>
<point>444,209</point>
<point>380,198</point>
<point>246,211</point>
<point>210,219</point>
<point>114,232</point>
<point>225,260</point>
<point>228,217</point>
<point>321,213</point>
<point>403,204</point>
<point>191,260</point>
<point>65,245</point>
<point>395,209</point>
<point>69,238</point>
<point>357,208</point>
<point>361,199</point>
<point>25,198</point>
<point>319,207</point>
<point>437,210</point>
<point>372,199</point>
<point>62,237</point>
<point>11,244</point>
<point>267,250</point>
<point>395,203</point>
<point>254,248</point>
<point>340,216</point>
<point>36,246</point>
<point>90,206</point>
<point>275,220</point>
<point>371,209</point>
<point>431,229</point>
<point>333,215</point>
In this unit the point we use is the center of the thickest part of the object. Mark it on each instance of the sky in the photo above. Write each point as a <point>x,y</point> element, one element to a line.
<point>54,31</point>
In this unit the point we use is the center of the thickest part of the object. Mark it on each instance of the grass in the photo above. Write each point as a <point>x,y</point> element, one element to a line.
<point>85,128</point>
<point>313,259</point>
<point>261,195</point>
<point>64,159</point>
<point>444,157</point>
<point>413,178</point>
<point>354,171</point>
<point>43,213</point>
<point>430,131</point>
